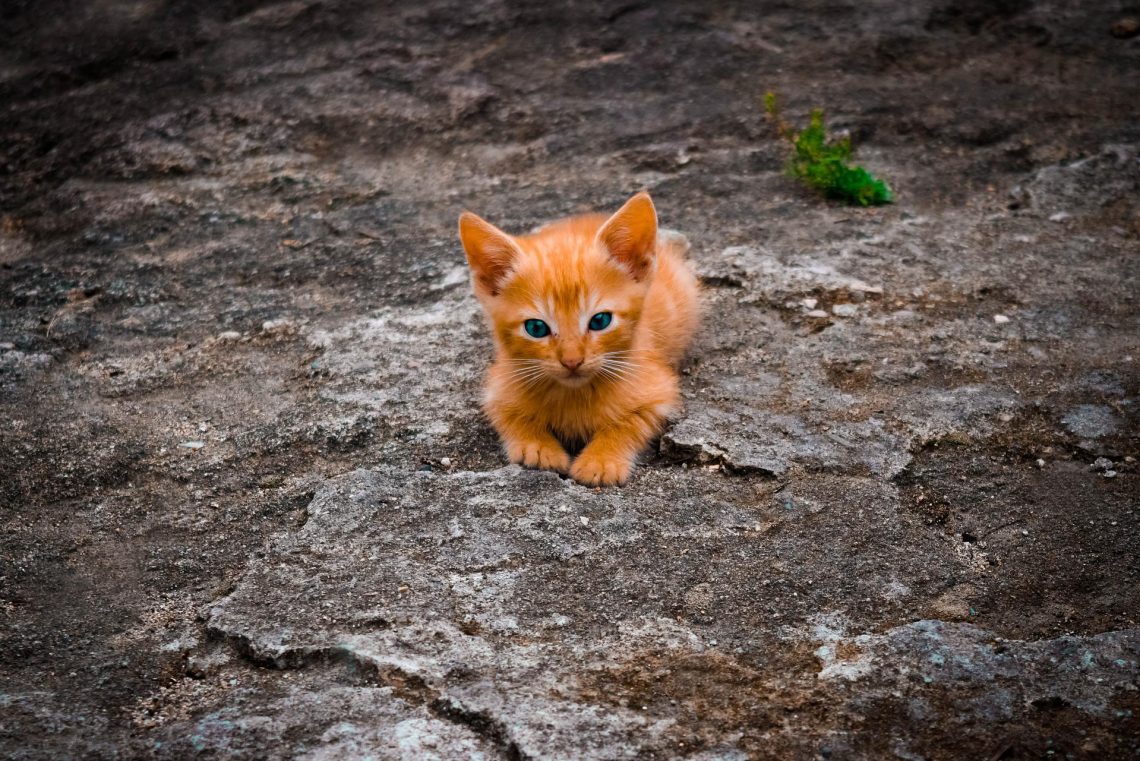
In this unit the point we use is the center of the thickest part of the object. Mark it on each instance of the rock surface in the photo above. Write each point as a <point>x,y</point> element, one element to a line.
<point>250,508</point>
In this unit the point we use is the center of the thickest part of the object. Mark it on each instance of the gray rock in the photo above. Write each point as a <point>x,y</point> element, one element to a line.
<point>367,582</point>
<point>1091,421</point>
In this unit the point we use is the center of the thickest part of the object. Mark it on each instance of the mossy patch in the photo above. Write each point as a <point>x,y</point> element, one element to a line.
<point>823,165</point>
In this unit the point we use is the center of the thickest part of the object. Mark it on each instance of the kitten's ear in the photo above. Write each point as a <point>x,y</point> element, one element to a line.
<point>630,235</point>
<point>490,251</point>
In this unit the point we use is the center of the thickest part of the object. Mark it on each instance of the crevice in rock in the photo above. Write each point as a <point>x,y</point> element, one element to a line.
<point>411,688</point>
<point>721,281</point>
<point>698,455</point>
<point>480,723</point>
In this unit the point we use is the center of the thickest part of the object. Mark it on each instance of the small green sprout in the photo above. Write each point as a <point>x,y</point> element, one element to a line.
<point>823,165</point>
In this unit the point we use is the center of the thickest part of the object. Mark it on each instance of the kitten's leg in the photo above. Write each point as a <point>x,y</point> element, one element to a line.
<point>528,442</point>
<point>608,458</point>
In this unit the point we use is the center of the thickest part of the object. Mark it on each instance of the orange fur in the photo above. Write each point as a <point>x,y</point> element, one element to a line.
<point>610,389</point>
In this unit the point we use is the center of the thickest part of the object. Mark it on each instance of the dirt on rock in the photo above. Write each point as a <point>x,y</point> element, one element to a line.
<point>249,507</point>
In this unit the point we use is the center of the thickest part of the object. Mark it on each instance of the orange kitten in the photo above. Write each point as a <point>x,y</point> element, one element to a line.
<point>590,316</point>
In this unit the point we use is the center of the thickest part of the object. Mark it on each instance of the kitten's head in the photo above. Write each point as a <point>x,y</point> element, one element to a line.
<point>564,302</point>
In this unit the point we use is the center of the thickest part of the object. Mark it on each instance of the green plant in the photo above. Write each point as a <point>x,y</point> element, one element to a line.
<point>823,165</point>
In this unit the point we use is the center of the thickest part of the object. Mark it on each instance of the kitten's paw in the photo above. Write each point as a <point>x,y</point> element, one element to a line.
<point>534,454</point>
<point>596,470</point>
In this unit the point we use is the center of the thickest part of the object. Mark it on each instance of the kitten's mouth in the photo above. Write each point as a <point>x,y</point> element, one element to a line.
<point>575,379</point>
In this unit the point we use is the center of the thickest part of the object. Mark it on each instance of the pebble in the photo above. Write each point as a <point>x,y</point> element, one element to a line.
<point>1110,474</point>
<point>844,310</point>
<point>817,313</point>
<point>1126,27</point>
<point>445,462</point>
<point>1060,216</point>
<point>1001,319</point>
<point>192,444</point>
<point>809,303</point>
<point>280,325</point>
<point>1040,463</point>
<point>203,427</point>
<point>585,520</point>
<point>1101,463</point>
<point>229,335</point>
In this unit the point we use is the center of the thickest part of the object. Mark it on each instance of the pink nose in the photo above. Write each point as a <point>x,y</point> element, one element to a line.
<point>571,363</point>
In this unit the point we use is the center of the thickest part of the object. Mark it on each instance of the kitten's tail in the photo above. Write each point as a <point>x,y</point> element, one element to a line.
<point>673,241</point>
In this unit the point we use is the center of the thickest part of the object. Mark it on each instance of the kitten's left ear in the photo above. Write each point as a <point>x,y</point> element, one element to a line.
<point>630,236</point>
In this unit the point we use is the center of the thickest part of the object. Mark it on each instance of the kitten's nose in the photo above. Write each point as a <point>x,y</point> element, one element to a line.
<point>571,363</point>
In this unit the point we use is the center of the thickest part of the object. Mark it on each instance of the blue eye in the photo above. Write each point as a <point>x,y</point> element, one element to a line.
<point>601,321</point>
<point>536,328</point>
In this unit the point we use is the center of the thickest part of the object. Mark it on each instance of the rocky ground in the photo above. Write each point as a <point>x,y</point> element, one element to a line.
<point>249,508</point>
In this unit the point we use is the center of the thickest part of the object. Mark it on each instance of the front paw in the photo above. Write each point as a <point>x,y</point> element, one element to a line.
<point>601,470</point>
<point>534,454</point>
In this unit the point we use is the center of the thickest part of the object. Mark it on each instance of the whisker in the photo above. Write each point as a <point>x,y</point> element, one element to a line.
<point>536,373</point>
<point>619,369</point>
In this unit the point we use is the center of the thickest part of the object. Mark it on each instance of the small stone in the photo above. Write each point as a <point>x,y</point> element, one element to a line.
<point>1040,463</point>
<point>1060,216</point>
<point>229,335</point>
<point>585,520</point>
<point>192,444</point>
<point>1005,417</point>
<point>1110,474</point>
<point>844,310</point>
<point>809,303</point>
<point>1126,27</point>
<point>1101,463</point>
<point>1001,319</point>
<point>203,427</point>
<point>817,313</point>
<point>1025,532</point>
<point>445,462</point>
<point>1019,197</point>
<point>281,326</point>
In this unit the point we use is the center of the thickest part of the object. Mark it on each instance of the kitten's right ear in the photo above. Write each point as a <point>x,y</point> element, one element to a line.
<point>490,252</point>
